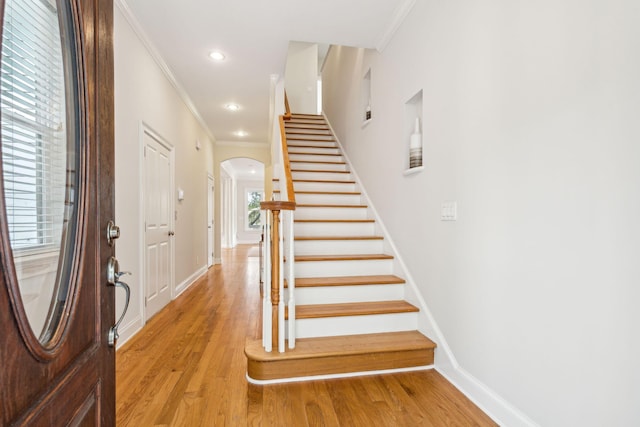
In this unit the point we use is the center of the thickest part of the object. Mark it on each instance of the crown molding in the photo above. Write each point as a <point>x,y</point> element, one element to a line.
<point>149,46</point>
<point>398,18</point>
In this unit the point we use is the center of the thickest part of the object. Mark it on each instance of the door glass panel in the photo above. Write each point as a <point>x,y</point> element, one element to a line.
<point>40,157</point>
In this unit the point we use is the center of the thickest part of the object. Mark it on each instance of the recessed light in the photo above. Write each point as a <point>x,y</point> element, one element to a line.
<point>217,56</point>
<point>232,107</point>
<point>240,133</point>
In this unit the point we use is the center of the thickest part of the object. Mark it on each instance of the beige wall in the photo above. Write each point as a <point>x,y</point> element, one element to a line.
<point>145,97</point>
<point>530,125</point>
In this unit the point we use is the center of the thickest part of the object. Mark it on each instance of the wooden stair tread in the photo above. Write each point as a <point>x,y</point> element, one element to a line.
<point>337,355</point>
<point>295,138</point>
<point>305,238</point>
<point>334,220</point>
<point>349,193</point>
<point>344,344</point>
<point>324,181</point>
<point>318,171</point>
<point>312,282</point>
<point>300,205</point>
<point>315,311</point>
<point>314,154</point>
<point>350,257</point>
<point>317,162</point>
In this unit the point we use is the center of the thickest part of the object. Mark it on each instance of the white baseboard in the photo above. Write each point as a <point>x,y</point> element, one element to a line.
<point>184,285</point>
<point>501,411</point>
<point>217,261</point>
<point>126,332</point>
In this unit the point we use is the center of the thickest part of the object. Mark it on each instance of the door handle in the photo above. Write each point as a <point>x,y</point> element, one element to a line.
<point>113,278</point>
<point>171,233</point>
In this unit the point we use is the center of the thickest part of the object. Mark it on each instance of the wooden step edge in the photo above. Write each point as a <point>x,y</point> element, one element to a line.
<point>313,282</point>
<point>341,364</point>
<point>335,147</point>
<point>315,154</point>
<point>307,116</point>
<point>343,345</point>
<point>295,138</point>
<point>334,221</point>
<point>318,171</point>
<point>307,131</point>
<point>334,193</point>
<point>332,206</point>
<point>316,162</point>
<point>319,311</point>
<point>316,238</point>
<point>306,126</point>
<point>350,257</point>
<point>324,181</point>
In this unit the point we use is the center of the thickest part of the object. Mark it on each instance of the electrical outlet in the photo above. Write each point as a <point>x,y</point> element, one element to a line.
<point>449,211</point>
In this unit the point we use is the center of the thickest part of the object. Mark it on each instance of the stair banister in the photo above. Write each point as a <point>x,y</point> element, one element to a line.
<point>279,243</point>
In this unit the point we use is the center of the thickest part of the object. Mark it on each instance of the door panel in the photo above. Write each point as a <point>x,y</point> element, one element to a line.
<point>67,376</point>
<point>158,202</point>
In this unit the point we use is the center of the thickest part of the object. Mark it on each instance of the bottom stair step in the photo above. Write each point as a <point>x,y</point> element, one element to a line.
<point>340,355</point>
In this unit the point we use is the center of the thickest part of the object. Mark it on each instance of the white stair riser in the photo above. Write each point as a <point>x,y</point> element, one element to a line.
<point>305,126</point>
<point>334,228</point>
<point>338,247</point>
<point>318,166</point>
<point>328,199</point>
<point>314,158</point>
<point>322,144</point>
<point>343,268</point>
<point>302,130</point>
<point>344,294</point>
<point>314,150</point>
<point>352,325</point>
<point>324,186</point>
<point>312,138</point>
<point>322,176</point>
<point>330,213</point>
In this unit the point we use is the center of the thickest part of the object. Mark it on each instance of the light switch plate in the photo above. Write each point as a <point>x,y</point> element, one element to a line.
<point>449,211</point>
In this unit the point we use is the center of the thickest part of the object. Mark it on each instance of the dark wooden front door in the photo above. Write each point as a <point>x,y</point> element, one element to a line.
<point>59,370</point>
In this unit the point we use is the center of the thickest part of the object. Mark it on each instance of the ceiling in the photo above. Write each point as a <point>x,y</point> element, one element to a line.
<point>243,168</point>
<point>254,36</point>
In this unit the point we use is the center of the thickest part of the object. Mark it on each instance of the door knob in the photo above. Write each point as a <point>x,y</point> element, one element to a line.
<point>171,233</point>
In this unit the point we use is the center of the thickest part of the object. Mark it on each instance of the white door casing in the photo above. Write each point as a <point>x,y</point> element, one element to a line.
<point>210,221</point>
<point>158,234</point>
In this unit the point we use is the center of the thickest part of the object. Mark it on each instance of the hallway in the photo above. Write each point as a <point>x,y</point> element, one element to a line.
<point>187,368</point>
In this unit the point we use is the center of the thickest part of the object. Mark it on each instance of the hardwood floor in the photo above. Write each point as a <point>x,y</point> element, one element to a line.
<point>187,368</point>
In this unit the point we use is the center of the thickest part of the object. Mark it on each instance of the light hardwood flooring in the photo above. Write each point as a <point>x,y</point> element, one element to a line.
<point>187,368</point>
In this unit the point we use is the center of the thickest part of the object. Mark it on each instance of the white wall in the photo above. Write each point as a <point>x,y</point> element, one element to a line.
<point>530,118</point>
<point>301,77</point>
<point>143,94</point>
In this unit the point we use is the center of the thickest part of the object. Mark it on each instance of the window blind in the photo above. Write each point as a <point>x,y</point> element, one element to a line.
<point>34,151</point>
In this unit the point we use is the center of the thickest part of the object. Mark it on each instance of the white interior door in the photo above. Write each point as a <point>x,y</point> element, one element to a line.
<point>158,225</point>
<point>210,227</point>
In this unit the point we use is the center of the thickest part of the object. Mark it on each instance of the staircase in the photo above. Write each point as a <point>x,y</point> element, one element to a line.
<point>351,315</point>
